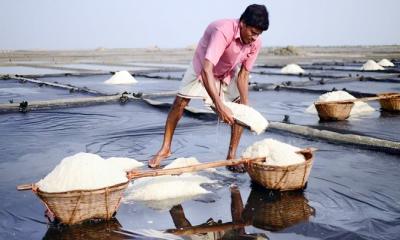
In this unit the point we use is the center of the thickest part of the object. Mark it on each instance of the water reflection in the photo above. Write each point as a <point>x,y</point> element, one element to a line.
<point>212,229</point>
<point>275,211</point>
<point>96,230</point>
<point>266,210</point>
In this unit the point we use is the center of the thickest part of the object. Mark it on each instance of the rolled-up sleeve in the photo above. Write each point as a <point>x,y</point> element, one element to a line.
<point>252,56</point>
<point>216,47</point>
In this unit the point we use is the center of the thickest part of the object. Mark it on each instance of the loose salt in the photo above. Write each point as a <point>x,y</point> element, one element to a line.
<point>126,164</point>
<point>385,63</point>
<point>163,192</point>
<point>121,77</point>
<point>371,65</point>
<point>292,69</point>
<point>358,108</point>
<point>248,116</point>
<point>277,153</point>
<point>85,171</point>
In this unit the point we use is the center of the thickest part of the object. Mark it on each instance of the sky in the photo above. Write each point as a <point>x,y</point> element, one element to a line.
<point>90,24</point>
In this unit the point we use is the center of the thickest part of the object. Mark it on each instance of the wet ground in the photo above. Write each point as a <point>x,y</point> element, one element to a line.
<point>352,192</point>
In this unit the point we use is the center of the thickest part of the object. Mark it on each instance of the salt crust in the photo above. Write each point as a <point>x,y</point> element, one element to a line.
<point>371,65</point>
<point>385,63</point>
<point>248,116</point>
<point>87,171</point>
<point>164,192</point>
<point>121,77</point>
<point>292,69</point>
<point>358,108</point>
<point>276,152</point>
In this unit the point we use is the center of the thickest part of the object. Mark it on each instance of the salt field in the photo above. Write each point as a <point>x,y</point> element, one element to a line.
<point>351,193</point>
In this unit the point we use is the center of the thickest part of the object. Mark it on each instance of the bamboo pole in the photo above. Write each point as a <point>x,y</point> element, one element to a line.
<point>206,228</point>
<point>193,168</point>
<point>135,174</point>
<point>24,187</point>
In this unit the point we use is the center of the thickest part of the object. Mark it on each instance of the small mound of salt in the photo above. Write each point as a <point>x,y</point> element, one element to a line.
<point>371,65</point>
<point>292,69</point>
<point>248,116</point>
<point>385,63</point>
<point>277,153</point>
<point>358,108</point>
<point>121,77</point>
<point>182,162</point>
<point>126,164</point>
<point>85,171</point>
<point>165,191</point>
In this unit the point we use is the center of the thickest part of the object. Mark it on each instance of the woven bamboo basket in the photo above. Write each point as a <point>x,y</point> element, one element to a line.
<point>391,104</point>
<point>277,211</point>
<point>74,207</point>
<point>282,178</point>
<point>334,111</point>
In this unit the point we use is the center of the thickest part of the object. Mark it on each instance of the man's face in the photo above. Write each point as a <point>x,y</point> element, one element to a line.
<point>249,34</point>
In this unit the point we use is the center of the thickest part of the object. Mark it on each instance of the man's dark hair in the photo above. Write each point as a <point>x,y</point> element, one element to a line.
<point>256,16</point>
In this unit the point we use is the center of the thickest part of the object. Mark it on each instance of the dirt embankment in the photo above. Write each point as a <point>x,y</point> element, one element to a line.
<point>269,55</point>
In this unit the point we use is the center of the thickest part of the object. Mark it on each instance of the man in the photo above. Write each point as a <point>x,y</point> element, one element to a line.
<point>225,45</point>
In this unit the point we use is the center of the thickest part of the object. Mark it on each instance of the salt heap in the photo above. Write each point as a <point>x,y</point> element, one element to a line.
<point>277,153</point>
<point>385,63</point>
<point>371,65</point>
<point>86,171</point>
<point>292,69</point>
<point>358,107</point>
<point>121,77</point>
<point>163,192</point>
<point>249,116</point>
<point>124,163</point>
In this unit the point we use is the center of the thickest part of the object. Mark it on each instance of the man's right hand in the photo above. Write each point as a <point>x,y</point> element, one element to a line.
<point>225,114</point>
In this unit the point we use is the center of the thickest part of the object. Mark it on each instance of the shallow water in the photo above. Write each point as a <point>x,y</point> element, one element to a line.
<point>348,189</point>
<point>14,91</point>
<point>361,86</point>
<point>351,192</point>
<point>22,70</point>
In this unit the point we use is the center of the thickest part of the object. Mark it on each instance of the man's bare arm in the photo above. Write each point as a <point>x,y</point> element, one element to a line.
<point>209,83</point>
<point>243,85</point>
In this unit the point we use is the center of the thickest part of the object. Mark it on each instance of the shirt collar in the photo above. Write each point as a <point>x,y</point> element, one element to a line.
<point>237,33</point>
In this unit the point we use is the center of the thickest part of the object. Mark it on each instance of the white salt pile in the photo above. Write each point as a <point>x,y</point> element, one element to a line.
<point>358,108</point>
<point>124,163</point>
<point>371,65</point>
<point>292,69</point>
<point>181,162</point>
<point>385,63</point>
<point>121,77</point>
<point>86,171</point>
<point>249,116</point>
<point>276,152</point>
<point>165,191</point>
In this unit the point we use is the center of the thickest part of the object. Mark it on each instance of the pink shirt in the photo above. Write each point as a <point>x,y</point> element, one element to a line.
<point>222,46</point>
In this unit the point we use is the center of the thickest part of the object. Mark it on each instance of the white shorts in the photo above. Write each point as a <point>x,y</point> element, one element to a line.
<point>192,87</point>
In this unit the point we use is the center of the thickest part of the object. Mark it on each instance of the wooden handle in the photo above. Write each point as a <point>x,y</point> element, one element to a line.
<point>364,99</point>
<point>193,168</point>
<point>207,228</point>
<point>24,187</point>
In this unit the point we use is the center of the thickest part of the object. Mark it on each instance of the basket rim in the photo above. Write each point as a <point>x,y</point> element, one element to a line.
<point>345,102</point>
<point>84,190</point>
<point>274,167</point>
